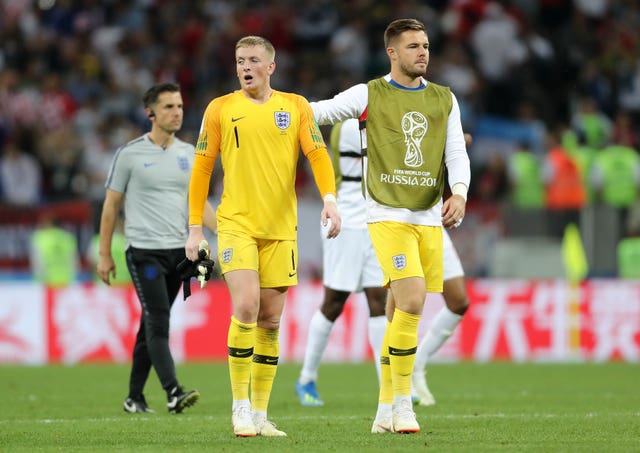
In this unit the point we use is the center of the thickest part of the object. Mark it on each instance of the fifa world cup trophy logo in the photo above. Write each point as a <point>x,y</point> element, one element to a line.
<point>414,126</point>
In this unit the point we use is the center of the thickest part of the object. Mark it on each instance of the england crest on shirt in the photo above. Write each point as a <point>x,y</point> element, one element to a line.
<point>183,163</point>
<point>283,119</point>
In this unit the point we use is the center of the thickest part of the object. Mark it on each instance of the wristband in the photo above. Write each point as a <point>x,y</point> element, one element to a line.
<point>330,198</point>
<point>460,189</point>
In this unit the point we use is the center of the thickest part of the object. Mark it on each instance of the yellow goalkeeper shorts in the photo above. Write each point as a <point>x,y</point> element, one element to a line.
<point>276,262</point>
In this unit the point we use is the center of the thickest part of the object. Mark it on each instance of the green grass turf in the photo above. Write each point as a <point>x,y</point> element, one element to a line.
<point>481,407</point>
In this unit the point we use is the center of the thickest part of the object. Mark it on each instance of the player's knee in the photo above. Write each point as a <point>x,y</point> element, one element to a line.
<point>459,305</point>
<point>247,312</point>
<point>410,305</point>
<point>455,295</point>
<point>332,309</point>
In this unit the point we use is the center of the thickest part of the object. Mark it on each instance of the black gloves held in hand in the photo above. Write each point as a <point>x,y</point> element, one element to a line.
<point>202,269</point>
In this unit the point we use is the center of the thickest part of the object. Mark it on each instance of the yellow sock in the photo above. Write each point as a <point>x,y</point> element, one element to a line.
<point>264,367</point>
<point>403,343</point>
<point>240,341</point>
<point>386,389</point>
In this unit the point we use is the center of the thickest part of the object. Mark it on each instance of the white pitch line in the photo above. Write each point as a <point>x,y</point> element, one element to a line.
<point>500,415</point>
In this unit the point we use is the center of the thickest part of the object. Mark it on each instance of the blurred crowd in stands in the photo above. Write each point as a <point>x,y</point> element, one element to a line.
<point>549,89</point>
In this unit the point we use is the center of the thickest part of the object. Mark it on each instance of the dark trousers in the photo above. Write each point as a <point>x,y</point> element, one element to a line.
<point>157,283</point>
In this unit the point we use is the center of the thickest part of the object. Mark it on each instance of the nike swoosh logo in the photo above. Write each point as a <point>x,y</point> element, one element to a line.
<point>148,164</point>
<point>292,274</point>
<point>233,120</point>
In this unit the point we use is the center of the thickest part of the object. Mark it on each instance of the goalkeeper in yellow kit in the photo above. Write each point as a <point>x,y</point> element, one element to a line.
<point>258,133</point>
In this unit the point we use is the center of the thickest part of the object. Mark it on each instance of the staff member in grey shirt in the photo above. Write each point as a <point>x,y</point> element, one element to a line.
<point>151,175</point>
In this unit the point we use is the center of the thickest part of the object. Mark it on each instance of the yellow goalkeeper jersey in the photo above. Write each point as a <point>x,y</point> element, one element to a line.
<point>259,145</point>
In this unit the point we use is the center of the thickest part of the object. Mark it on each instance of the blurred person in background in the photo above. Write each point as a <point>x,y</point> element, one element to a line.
<point>97,156</point>
<point>591,122</point>
<point>456,70</point>
<point>406,156</point>
<point>349,46</point>
<point>583,156</point>
<point>150,176</point>
<point>60,153</point>
<point>258,133</point>
<point>54,253</point>
<point>529,117</point>
<point>56,106</point>
<point>615,176</point>
<point>624,131</point>
<point>526,188</point>
<point>492,184</point>
<point>628,256</point>
<point>564,193</point>
<point>496,40</point>
<point>20,175</point>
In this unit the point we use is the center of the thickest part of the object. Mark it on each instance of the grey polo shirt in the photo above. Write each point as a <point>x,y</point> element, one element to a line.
<point>155,182</point>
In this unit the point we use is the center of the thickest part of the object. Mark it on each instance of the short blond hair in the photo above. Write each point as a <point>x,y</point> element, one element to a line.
<point>252,41</point>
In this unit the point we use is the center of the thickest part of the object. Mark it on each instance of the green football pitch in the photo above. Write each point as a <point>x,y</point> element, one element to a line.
<point>480,407</point>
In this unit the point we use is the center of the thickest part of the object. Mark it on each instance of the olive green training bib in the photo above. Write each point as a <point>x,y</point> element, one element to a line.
<point>406,137</point>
